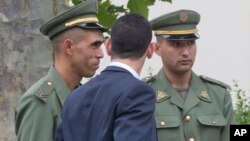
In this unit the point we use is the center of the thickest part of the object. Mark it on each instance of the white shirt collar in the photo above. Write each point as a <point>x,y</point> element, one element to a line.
<point>126,67</point>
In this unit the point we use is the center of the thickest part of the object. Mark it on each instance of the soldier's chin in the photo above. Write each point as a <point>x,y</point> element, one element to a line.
<point>90,74</point>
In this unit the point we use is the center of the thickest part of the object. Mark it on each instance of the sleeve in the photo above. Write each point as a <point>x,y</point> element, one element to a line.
<point>135,115</point>
<point>229,115</point>
<point>33,120</point>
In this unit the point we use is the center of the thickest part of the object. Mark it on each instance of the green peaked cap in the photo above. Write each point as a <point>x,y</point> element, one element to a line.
<point>177,25</point>
<point>82,15</point>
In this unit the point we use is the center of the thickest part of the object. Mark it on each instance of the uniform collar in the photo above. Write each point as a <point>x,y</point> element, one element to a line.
<point>199,88</point>
<point>197,91</point>
<point>61,88</point>
<point>164,90</point>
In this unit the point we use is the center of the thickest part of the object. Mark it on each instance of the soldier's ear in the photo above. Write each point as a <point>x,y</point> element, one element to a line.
<point>67,46</point>
<point>108,46</point>
<point>150,50</point>
<point>157,48</point>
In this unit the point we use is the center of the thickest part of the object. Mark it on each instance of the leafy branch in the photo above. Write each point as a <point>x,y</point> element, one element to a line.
<point>242,108</point>
<point>108,12</point>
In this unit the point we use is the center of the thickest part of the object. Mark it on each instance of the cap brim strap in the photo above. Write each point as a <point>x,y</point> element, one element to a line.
<point>180,32</point>
<point>81,20</point>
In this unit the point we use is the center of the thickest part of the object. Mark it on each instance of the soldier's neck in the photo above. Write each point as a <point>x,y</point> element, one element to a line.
<point>179,81</point>
<point>71,80</point>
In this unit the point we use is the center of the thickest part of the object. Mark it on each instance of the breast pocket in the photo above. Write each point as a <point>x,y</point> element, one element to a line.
<point>167,127</point>
<point>212,120</point>
<point>211,126</point>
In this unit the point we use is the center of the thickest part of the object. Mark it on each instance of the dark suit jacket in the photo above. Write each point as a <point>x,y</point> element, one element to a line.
<point>114,106</point>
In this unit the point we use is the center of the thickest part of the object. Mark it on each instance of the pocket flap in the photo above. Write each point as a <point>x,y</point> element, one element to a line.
<point>212,120</point>
<point>166,121</point>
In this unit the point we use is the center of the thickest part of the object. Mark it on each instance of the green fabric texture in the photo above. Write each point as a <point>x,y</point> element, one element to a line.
<point>205,115</point>
<point>38,112</point>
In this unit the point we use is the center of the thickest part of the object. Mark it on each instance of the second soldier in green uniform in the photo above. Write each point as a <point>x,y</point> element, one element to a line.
<point>188,107</point>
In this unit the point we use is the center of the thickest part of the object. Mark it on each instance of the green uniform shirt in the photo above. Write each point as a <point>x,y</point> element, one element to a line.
<point>38,112</point>
<point>205,114</point>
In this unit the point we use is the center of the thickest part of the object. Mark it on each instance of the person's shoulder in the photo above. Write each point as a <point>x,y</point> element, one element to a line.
<point>40,90</point>
<point>148,79</point>
<point>213,81</point>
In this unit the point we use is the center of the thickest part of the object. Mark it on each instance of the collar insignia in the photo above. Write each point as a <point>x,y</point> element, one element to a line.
<point>204,95</point>
<point>161,95</point>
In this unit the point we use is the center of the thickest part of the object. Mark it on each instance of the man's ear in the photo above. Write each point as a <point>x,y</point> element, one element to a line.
<point>108,46</point>
<point>157,49</point>
<point>67,46</point>
<point>150,50</point>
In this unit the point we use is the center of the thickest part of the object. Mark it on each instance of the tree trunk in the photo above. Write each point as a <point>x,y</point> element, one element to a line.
<point>25,54</point>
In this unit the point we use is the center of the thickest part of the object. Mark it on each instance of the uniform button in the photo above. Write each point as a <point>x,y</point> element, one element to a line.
<point>213,122</point>
<point>187,118</point>
<point>49,83</point>
<point>191,139</point>
<point>163,123</point>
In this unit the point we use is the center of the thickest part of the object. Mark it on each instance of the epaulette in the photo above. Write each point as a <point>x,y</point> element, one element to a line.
<point>211,80</point>
<point>148,79</point>
<point>44,90</point>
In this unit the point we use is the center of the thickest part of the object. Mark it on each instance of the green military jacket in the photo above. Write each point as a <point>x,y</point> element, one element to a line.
<point>205,115</point>
<point>38,111</point>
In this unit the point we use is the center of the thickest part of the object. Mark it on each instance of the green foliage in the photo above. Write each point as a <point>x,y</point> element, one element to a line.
<point>138,6</point>
<point>108,12</point>
<point>242,108</point>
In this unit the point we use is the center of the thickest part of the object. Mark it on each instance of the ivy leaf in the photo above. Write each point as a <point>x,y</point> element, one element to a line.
<point>139,7</point>
<point>106,14</point>
<point>117,9</point>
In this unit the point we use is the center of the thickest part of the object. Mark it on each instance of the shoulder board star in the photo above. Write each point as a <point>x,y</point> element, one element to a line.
<point>148,79</point>
<point>44,90</point>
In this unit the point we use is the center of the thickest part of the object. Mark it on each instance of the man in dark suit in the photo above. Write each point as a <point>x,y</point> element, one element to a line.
<point>115,105</point>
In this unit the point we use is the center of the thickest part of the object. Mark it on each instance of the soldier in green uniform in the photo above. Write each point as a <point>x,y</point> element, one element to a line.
<point>188,107</point>
<point>76,38</point>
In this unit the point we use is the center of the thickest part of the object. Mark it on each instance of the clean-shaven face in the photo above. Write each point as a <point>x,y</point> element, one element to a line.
<point>178,56</point>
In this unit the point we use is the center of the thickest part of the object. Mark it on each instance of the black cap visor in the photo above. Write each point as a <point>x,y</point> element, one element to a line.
<point>180,37</point>
<point>93,26</point>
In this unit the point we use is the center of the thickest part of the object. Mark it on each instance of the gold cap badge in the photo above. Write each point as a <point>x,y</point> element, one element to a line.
<point>183,17</point>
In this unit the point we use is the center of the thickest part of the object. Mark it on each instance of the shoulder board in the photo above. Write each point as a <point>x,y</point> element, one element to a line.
<point>44,90</point>
<point>211,80</point>
<point>148,79</point>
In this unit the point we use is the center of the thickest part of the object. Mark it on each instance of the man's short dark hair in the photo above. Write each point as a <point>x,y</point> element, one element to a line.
<point>130,36</point>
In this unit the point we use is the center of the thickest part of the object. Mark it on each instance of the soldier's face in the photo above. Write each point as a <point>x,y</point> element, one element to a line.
<point>177,56</point>
<point>87,53</point>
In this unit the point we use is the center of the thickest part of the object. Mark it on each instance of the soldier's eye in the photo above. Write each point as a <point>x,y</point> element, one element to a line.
<point>174,43</point>
<point>191,42</point>
<point>97,44</point>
